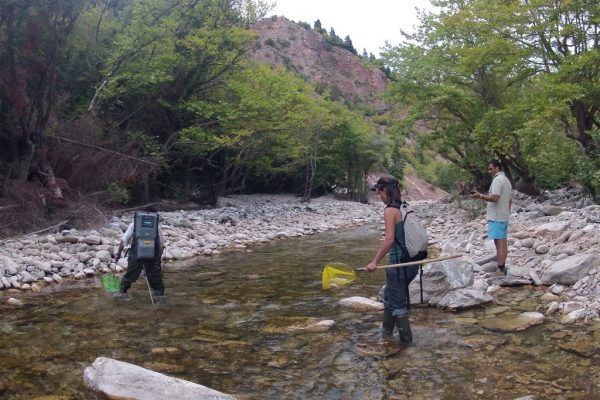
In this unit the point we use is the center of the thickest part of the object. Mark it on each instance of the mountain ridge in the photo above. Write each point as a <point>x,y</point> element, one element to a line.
<point>306,52</point>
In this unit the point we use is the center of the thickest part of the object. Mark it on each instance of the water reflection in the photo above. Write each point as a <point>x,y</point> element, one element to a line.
<point>224,327</point>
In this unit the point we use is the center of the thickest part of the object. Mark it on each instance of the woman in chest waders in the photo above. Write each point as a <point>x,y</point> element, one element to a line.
<point>395,295</point>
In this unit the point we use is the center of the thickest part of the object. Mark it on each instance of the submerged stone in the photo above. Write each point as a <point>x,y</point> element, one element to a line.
<point>358,303</point>
<point>515,323</point>
<point>585,348</point>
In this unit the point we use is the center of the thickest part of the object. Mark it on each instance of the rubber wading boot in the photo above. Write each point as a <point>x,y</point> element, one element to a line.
<point>404,331</point>
<point>122,293</point>
<point>388,323</point>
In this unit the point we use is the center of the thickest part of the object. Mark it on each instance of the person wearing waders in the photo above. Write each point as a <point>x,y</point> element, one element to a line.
<point>395,295</point>
<point>147,245</point>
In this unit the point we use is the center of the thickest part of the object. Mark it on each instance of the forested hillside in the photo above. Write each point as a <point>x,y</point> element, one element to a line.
<point>119,103</point>
<point>513,80</point>
<point>122,102</point>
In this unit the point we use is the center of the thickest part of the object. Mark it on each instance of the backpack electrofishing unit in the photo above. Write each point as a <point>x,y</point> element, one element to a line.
<point>145,235</point>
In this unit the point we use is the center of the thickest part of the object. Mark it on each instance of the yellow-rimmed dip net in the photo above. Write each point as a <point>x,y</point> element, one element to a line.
<point>335,275</point>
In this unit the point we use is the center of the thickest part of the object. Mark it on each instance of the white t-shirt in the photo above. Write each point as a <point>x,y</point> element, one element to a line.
<point>129,234</point>
<point>500,210</point>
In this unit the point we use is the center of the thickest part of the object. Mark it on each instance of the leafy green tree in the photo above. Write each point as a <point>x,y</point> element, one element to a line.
<point>559,44</point>
<point>163,55</point>
<point>258,116</point>
<point>397,161</point>
<point>470,72</point>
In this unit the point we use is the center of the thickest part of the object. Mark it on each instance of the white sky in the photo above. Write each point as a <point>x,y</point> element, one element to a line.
<point>368,22</point>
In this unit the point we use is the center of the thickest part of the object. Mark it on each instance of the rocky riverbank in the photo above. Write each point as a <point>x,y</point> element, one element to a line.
<point>31,262</point>
<point>553,242</point>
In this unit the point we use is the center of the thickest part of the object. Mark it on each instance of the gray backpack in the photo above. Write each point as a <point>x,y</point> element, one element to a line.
<point>415,236</point>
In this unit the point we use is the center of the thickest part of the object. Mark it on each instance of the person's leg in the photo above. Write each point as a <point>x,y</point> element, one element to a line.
<point>397,297</point>
<point>134,268</point>
<point>501,250</point>
<point>498,231</point>
<point>154,273</point>
<point>388,323</point>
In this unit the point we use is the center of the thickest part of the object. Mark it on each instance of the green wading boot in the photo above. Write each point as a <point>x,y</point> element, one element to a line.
<point>404,331</point>
<point>388,323</point>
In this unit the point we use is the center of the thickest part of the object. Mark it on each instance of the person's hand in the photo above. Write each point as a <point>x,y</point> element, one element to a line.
<point>371,266</point>
<point>475,194</point>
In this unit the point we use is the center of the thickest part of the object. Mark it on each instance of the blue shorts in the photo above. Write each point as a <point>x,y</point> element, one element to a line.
<point>497,229</point>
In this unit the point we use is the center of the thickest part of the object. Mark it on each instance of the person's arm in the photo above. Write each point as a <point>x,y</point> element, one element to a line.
<point>388,240</point>
<point>492,198</point>
<point>126,238</point>
<point>121,246</point>
<point>161,242</point>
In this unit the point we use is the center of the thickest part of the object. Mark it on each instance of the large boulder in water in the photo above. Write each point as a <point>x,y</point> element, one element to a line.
<point>440,278</point>
<point>462,299</point>
<point>121,380</point>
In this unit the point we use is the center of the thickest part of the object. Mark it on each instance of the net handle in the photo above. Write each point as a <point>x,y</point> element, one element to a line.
<point>411,263</point>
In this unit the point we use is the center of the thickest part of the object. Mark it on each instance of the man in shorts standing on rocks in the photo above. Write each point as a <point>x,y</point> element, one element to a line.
<point>499,201</point>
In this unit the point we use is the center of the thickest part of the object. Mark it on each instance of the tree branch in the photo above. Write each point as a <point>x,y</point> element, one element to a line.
<point>89,146</point>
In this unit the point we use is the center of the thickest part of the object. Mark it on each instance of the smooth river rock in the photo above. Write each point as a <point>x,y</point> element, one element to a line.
<point>120,380</point>
<point>358,303</point>
<point>512,324</point>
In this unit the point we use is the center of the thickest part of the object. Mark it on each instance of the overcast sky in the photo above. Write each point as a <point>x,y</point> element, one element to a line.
<point>368,22</point>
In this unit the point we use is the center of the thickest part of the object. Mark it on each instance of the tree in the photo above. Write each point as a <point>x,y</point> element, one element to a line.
<point>164,56</point>
<point>318,26</point>
<point>348,44</point>
<point>561,42</point>
<point>32,34</point>
<point>468,80</point>
<point>397,162</point>
<point>258,116</point>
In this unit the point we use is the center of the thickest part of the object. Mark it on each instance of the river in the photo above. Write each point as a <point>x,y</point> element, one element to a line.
<point>224,326</point>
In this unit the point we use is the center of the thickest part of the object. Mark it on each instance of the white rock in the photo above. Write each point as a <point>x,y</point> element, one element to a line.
<point>358,303</point>
<point>570,306</point>
<point>557,289</point>
<point>10,265</point>
<point>14,302</point>
<point>553,307</point>
<point>574,316</point>
<point>117,379</point>
<point>104,256</point>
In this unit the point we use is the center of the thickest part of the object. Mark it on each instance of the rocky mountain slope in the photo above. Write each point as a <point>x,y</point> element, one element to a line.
<point>306,52</point>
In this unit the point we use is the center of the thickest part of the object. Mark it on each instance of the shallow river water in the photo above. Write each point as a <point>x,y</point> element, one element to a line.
<point>224,326</point>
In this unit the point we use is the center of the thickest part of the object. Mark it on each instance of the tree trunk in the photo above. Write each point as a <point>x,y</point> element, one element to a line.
<point>23,160</point>
<point>585,122</point>
<point>311,169</point>
<point>50,179</point>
